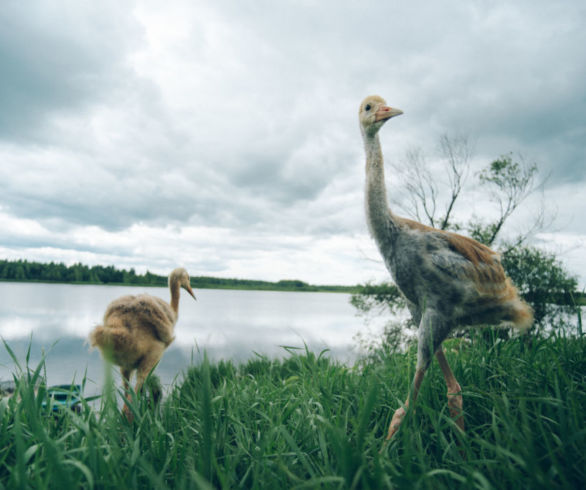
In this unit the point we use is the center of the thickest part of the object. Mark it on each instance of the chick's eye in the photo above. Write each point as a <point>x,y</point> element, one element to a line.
<point>367,107</point>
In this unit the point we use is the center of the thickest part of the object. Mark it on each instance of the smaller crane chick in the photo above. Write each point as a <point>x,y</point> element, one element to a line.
<point>137,330</point>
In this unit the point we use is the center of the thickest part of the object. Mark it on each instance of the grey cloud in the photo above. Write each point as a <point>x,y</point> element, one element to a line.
<point>58,57</point>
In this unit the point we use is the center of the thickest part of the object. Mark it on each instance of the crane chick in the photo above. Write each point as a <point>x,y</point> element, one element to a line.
<point>137,329</point>
<point>448,280</point>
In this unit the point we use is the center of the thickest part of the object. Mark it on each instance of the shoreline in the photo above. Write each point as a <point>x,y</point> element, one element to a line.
<point>203,285</point>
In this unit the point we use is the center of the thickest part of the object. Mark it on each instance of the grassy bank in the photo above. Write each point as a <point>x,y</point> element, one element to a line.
<point>309,422</point>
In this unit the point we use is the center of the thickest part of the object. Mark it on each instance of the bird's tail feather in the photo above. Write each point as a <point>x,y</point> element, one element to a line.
<point>516,313</point>
<point>97,336</point>
<point>522,316</point>
<point>110,339</point>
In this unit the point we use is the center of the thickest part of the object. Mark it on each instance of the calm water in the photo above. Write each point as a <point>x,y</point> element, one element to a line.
<point>226,324</point>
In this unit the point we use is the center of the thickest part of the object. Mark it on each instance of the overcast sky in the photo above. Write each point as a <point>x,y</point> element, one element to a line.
<point>223,135</point>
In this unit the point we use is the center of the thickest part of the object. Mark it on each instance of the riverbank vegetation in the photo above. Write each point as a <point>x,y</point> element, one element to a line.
<point>307,421</point>
<point>56,272</point>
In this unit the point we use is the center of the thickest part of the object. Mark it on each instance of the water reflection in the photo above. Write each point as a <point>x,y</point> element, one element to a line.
<point>55,319</point>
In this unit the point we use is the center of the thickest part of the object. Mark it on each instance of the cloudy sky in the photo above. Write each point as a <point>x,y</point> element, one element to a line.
<point>223,135</point>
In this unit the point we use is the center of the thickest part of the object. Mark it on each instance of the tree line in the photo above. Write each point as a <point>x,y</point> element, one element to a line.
<point>24,270</point>
<point>58,272</point>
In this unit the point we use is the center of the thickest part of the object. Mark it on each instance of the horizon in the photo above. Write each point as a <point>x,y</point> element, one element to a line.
<point>148,271</point>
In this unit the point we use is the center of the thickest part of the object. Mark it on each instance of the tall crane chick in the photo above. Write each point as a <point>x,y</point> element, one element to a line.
<point>447,279</point>
<point>137,330</point>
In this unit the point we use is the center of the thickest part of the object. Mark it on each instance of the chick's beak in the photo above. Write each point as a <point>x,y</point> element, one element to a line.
<point>190,291</point>
<point>385,113</point>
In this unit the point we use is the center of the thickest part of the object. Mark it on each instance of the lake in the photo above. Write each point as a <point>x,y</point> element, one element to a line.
<point>227,324</point>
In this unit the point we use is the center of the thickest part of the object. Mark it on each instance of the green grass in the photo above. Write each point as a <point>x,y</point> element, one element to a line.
<point>309,422</point>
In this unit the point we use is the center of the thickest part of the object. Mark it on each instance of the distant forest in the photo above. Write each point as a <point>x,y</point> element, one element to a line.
<point>57,272</point>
